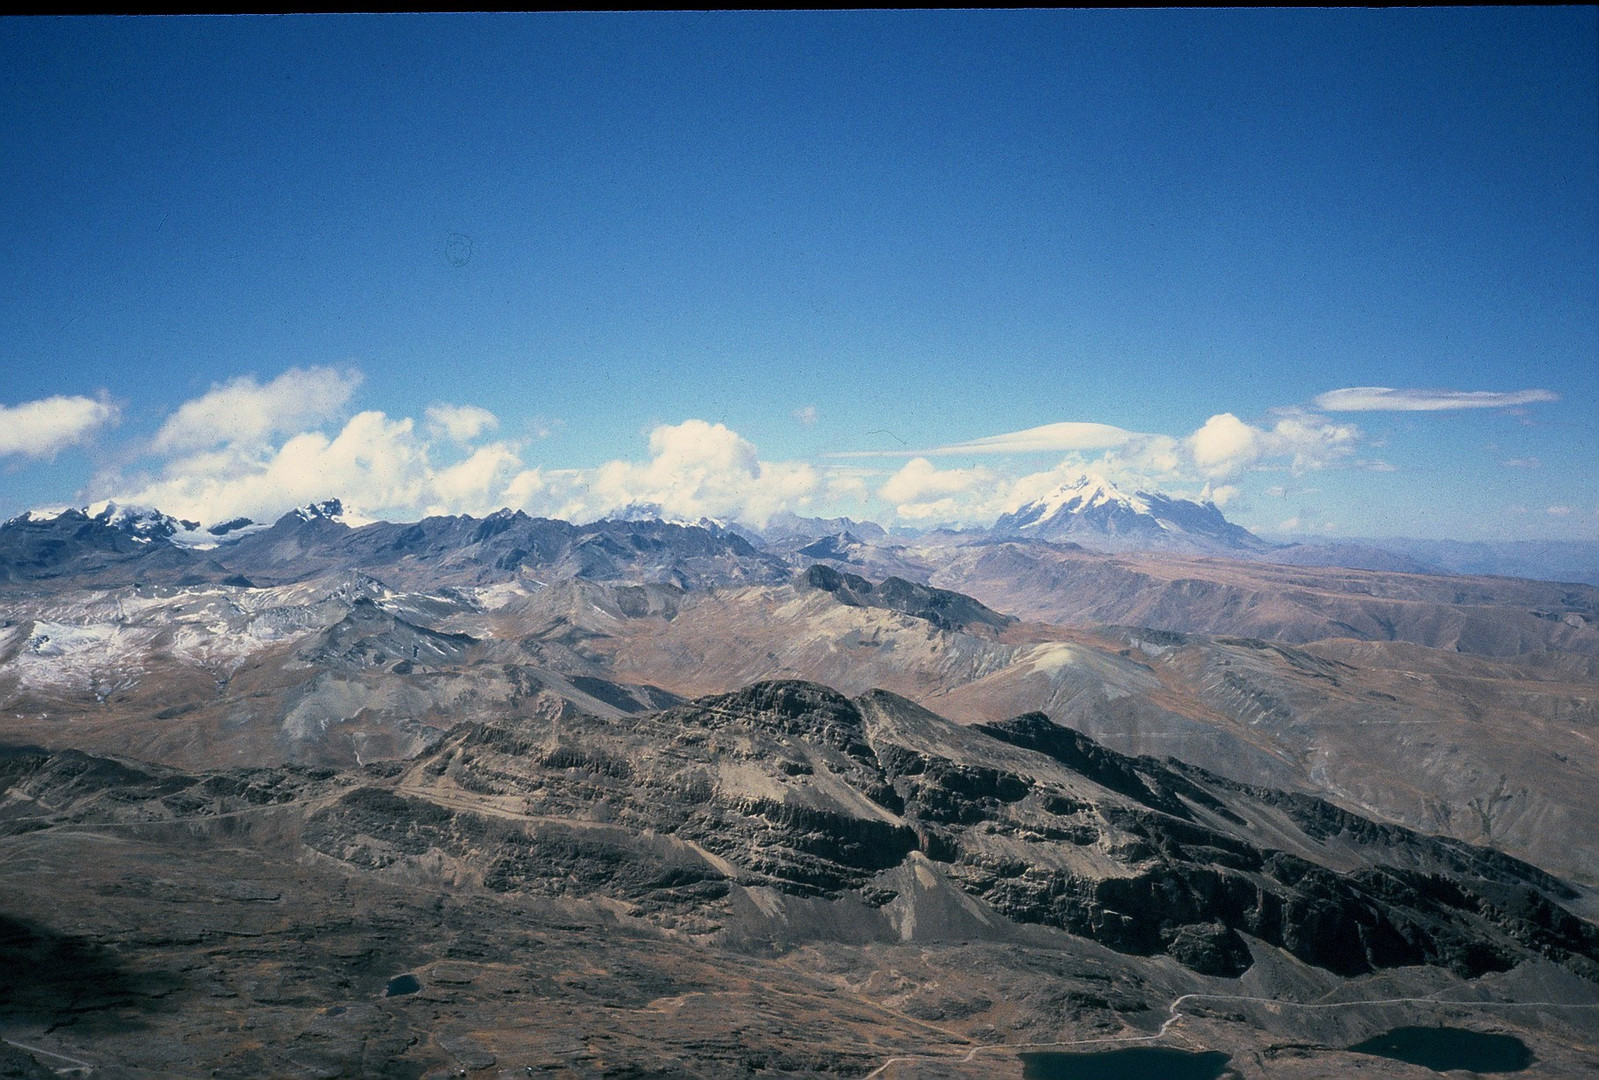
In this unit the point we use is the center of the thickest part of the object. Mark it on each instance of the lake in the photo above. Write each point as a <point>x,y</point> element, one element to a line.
<point>1443,1048</point>
<point>401,985</point>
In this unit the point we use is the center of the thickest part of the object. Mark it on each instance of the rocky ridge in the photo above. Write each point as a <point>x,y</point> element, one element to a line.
<point>792,788</point>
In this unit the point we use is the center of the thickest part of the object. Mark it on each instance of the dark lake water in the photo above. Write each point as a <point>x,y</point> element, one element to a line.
<point>402,984</point>
<point>1443,1048</point>
<point>1134,1063</point>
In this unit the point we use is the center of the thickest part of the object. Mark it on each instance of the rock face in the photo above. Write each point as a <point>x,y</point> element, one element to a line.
<point>944,609</point>
<point>790,787</point>
<point>1422,901</point>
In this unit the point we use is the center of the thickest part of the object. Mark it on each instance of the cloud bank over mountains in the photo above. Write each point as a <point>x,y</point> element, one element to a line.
<point>243,449</point>
<point>256,449</point>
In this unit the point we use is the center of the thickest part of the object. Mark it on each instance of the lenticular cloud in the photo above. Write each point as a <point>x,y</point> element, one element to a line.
<point>1387,399</point>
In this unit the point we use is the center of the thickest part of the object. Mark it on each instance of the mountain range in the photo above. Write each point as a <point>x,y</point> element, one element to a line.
<point>1089,512</point>
<point>901,805</point>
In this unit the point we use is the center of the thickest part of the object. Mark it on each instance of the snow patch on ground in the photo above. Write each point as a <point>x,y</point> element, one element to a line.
<point>101,658</point>
<point>495,597</point>
<point>1050,659</point>
<point>108,641</point>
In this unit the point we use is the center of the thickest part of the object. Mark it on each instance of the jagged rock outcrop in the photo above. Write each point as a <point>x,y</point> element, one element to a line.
<point>944,609</point>
<point>790,787</point>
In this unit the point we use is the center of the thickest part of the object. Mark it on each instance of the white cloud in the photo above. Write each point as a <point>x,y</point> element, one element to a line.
<point>1220,495</point>
<point>376,465</point>
<point>1387,399</point>
<point>1523,463</point>
<point>45,427</point>
<point>696,469</point>
<point>939,511</point>
<point>1225,444</point>
<point>1195,466</point>
<point>479,485</point>
<point>1310,442</point>
<point>844,485</point>
<point>1068,435</point>
<point>242,412</point>
<point>1222,447</point>
<point>1559,511</point>
<point>253,450</point>
<point>921,491</point>
<point>1153,458</point>
<point>382,467</point>
<point>1050,438</point>
<point>462,423</point>
<point>919,478</point>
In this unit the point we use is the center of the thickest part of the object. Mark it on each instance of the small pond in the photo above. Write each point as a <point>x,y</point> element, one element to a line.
<point>1443,1048</point>
<point>401,985</point>
<point>1134,1063</point>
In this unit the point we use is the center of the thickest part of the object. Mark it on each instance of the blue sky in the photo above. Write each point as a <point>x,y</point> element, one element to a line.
<point>734,263</point>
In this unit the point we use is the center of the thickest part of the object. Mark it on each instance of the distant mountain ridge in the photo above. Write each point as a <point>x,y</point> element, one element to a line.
<point>1095,513</point>
<point>107,541</point>
<point>119,547</point>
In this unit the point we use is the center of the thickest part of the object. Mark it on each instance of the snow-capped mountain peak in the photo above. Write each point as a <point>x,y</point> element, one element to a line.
<point>42,514</point>
<point>649,511</point>
<point>331,509</point>
<point>144,523</point>
<point>1093,511</point>
<point>1088,492</point>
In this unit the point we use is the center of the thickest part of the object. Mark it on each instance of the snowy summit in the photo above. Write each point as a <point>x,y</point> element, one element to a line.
<point>1094,512</point>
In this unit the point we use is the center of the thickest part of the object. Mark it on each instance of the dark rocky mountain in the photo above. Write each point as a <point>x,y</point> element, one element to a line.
<point>851,881</point>
<point>838,547</point>
<point>110,546</point>
<point>944,609</point>
<point>792,787</point>
<point>879,558</point>
<point>536,740</point>
<point>1095,513</point>
<point>1481,739</point>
